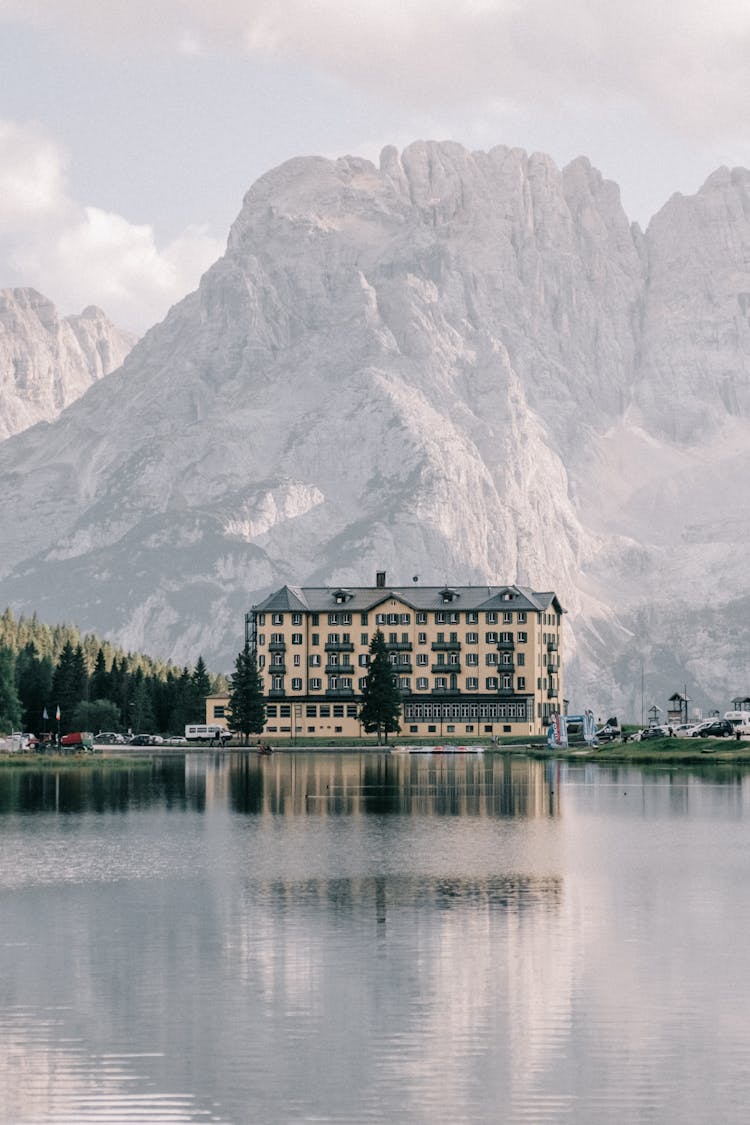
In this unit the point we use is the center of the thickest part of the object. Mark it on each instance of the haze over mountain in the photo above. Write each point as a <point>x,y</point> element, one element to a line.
<point>462,366</point>
<point>48,361</point>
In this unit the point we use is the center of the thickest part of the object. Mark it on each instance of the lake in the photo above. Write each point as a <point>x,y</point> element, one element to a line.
<point>374,938</point>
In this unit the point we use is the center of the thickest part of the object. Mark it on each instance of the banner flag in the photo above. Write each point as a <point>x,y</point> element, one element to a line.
<point>57,713</point>
<point>45,716</point>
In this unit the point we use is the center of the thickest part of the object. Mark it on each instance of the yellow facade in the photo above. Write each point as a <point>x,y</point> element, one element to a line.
<point>473,662</point>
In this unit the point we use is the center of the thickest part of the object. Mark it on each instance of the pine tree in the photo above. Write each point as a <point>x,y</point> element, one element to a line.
<point>200,688</point>
<point>246,705</point>
<point>381,698</point>
<point>69,684</point>
<point>34,686</point>
<point>100,679</point>
<point>10,704</point>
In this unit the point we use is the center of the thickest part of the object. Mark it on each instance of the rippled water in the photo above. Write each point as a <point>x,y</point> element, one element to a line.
<point>346,938</point>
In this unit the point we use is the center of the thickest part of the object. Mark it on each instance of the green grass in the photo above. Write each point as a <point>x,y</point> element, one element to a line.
<point>67,761</point>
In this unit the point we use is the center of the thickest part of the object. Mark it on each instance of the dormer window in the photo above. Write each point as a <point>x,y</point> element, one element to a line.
<point>342,596</point>
<point>447,595</point>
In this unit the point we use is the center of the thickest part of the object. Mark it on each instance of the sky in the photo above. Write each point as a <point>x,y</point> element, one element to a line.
<point>130,130</point>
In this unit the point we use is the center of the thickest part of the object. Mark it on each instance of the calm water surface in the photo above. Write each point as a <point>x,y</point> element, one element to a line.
<point>371,938</point>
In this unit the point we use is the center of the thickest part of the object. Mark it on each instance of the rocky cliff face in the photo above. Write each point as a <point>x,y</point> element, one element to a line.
<point>451,365</point>
<point>48,361</point>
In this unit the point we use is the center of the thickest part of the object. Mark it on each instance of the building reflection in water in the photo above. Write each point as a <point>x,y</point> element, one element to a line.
<point>372,783</point>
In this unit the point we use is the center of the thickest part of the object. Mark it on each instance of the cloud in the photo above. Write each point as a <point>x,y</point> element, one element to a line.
<point>686,62</point>
<point>79,255</point>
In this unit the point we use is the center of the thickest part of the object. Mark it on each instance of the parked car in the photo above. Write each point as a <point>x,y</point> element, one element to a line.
<point>686,730</point>
<point>77,740</point>
<point>719,728</point>
<point>648,733</point>
<point>142,740</point>
<point>110,738</point>
<point>608,733</point>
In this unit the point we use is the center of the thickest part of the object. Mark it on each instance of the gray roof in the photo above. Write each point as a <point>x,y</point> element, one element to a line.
<point>323,599</point>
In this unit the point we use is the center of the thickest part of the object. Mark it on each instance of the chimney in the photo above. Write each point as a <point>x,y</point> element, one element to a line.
<point>380,579</point>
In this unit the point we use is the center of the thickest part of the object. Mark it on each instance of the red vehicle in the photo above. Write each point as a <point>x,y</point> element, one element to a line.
<point>77,740</point>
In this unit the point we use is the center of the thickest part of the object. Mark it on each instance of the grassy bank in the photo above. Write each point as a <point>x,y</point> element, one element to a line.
<point>689,751</point>
<point>67,761</point>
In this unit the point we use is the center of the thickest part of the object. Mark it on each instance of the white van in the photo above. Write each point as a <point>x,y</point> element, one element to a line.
<point>206,732</point>
<point>740,720</point>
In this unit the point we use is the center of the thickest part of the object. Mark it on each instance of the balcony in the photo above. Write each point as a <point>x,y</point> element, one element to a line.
<point>339,669</point>
<point>506,669</point>
<point>340,692</point>
<point>402,669</point>
<point>277,669</point>
<point>339,646</point>
<point>446,646</point>
<point>398,646</point>
<point>506,691</point>
<point>277,646</point>
<point>445,669</point>
<point>506,646</point>
<point>552,646</point>
<point>277,693</point>
<point>552,693</point>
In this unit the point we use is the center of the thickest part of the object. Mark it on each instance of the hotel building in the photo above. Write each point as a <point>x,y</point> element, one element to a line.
<point>471,661</point>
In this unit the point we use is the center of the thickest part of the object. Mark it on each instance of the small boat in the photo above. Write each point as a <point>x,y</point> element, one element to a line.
<point>264,748</point>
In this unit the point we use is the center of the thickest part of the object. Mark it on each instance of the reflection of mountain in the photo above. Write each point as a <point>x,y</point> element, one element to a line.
<point>371,783</point>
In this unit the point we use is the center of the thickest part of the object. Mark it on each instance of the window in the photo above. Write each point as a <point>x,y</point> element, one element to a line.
<point>421,618</point>
<point>405,683</point>
<point>311,710</point>
<point>508,615</point>
<point>490,638</point>
<point>345,681</point>
<point>507,658</point>
<point>314,660</point>
<point>380,619</point>
<point>261,638</point>
<point>522,683</point>
<point>285,711</point>
<point>393,638</point>
<point>362,682</point>
<point>364,659</point>
<point>296,638</point>
<point>491,683</point>
<point>277,660</point>
<point>406,619</point>
<point>363,618</point>
<point>441,682</point>
<point>325,711</point>
<point>454,618</point>
<point>472,638</point>
<point>333,618</point>
<point>261,618</point>
<point>393,618</point>
<point>507,681</point>
<point>454,658</point>
<point>404,638</point>
<point>296,683</point>
<point>421,683</point>
<point>271,710</point>
<point>440,637</point>
<point>490,658</point>
<point>490,618</point>
<point>315,683</point>
<point>472,617</point>
<point>297,660</point>
<point>440,617</point>
<point>338,710</point>
<point>422,658</point>
<point>346,618</point>
<point>315,619</point>
<point>454,638</point>
<point>277,683</point>
<point>218,712</point>
<point>522,615</point>
<point>364,639</point>
<point>334,639</point>
<point>472,658</point>
<point>277,638</point>
<point>405,658</point>
<point>277,619</point>
<point>522,637</point>
<point>296,619</point>
<point>421,638</point>
<point>472,683</point>
<point>333,683</point>
<point>261,661</point>
<point>315,639</point>
<point>351,710</point>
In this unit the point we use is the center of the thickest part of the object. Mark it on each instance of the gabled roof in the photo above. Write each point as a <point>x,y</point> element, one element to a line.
<point>323,599</point>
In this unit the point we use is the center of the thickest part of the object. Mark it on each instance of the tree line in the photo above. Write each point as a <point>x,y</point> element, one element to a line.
<point>92,684</point>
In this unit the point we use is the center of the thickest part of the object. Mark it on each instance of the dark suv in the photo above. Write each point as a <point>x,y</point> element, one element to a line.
<point>722,728</point>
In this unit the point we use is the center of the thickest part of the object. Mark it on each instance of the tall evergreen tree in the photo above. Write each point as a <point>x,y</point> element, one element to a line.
<point>381,698</point>
<point>10,704</point>
<point>34,686</point>
<point>246,705</point>
<point>99,687</point>
<point>69,684</point>
<point>200,688</point>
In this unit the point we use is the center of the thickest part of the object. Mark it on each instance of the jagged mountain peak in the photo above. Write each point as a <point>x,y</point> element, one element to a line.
<point>446,363</point>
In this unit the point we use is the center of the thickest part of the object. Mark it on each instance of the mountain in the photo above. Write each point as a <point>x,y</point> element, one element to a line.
<point>460,366</point>
<point>48,361</point>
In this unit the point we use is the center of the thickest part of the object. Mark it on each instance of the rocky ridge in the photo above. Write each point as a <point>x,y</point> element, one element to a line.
<point>48,361</point>
<point>450,364</point>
